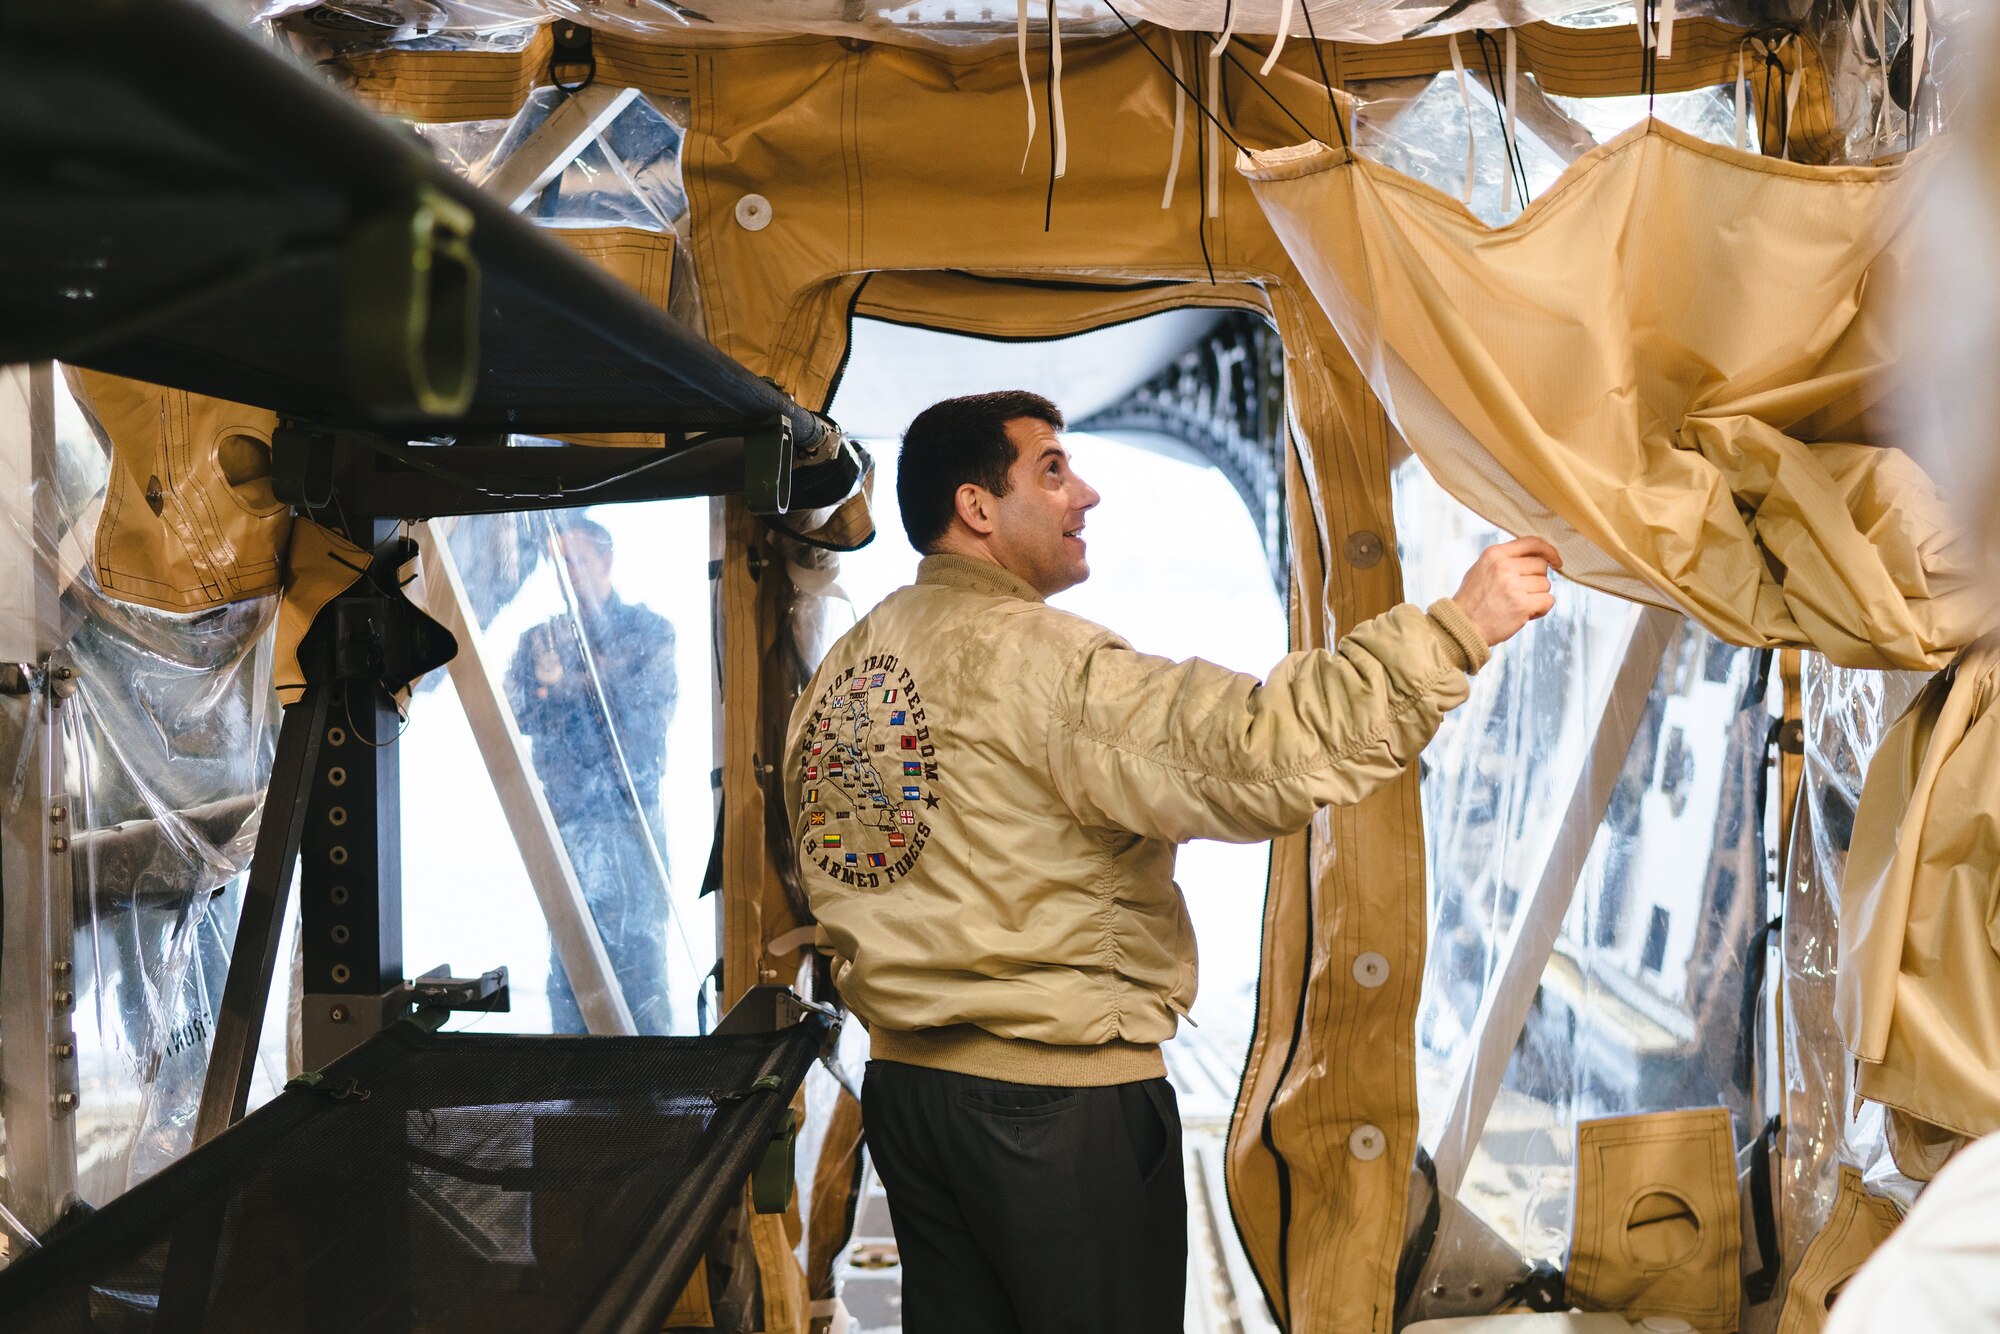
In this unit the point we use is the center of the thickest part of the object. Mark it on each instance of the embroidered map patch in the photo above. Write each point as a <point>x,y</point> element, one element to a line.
<point>869,775</point>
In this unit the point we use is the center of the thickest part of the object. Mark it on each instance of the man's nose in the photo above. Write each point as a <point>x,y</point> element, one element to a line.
<point>1090,495</point>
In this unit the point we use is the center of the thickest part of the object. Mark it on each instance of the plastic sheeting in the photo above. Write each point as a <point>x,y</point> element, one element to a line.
<point>629,175</point>
<point>166,744</point>
<point>1845,714</point>
<point>488,23</point>
<point>600,657</point>
<point>1639,1005</point>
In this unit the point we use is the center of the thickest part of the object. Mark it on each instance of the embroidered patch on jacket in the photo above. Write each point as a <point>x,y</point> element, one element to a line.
<point>870,763</point>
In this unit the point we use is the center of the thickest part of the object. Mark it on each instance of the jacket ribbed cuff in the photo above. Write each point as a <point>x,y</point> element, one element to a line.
<point>1464,635</point>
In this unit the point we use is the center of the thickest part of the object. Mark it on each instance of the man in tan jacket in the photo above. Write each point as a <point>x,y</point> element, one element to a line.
<point>987,797</point>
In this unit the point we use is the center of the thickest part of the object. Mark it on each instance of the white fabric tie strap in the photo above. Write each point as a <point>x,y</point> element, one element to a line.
<point>1284,34</point>
<point>1214,135</point>
<point>1513,138</point>
<point>1027,80</point>
<point>1180,120</point>
<point>1665,40</point>
<point>1061,126</point>
<point>1742,104</point>
<point>1229,14</point>
<point>1471,138</point>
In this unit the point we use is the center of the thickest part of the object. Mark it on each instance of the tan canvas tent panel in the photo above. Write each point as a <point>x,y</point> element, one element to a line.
<point>1860,1223</point>
<point>1918,992</point>
<point>1656,1229</point>
<point>1568,375</point>
<point>189,519</point>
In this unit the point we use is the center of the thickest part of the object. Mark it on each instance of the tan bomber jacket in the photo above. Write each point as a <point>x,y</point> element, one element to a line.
<point>987,795</point>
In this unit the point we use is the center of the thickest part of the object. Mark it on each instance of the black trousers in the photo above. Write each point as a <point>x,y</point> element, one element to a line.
<point>1026,1209</point>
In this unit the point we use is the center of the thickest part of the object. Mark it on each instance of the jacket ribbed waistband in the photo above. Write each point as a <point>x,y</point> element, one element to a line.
<point>968,1050</point>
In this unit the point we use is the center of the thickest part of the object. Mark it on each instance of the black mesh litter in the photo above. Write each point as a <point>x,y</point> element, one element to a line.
<point>453,1183</point>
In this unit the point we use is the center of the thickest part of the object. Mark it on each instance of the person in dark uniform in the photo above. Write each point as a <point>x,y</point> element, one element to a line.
<point>594,693</point>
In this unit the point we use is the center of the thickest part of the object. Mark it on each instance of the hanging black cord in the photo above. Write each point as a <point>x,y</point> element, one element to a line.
<point>1258,84</point>
<point>1650,40</point>
<point>1339,121</point>
<point>1049,204</point>
<point>1490,61</point>
<point>1178,81</point>
<point>1774,64</point>
<point>1201,176</point>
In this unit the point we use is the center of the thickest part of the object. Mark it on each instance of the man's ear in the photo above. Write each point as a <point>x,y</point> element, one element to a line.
<point>974,505</point>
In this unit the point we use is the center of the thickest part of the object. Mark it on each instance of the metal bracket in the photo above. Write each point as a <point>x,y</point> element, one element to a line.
<point>333,1024</point>
<point>411,323</point>
<point>767,468</point>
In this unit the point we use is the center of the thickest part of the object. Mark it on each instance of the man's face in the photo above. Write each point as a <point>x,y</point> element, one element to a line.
<point>1038,524</point>
<point>589,569</point>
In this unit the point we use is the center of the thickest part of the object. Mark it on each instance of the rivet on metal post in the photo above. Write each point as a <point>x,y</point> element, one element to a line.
<point>58,844</point>
<point>338,1014</point>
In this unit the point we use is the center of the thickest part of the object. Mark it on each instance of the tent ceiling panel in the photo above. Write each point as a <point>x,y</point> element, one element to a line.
<point>501,24</point>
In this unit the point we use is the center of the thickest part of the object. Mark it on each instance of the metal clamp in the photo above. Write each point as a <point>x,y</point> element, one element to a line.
<point>767,468</point>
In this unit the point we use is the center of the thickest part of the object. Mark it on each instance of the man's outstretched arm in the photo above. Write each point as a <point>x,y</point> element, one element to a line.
<point>1181,750</point>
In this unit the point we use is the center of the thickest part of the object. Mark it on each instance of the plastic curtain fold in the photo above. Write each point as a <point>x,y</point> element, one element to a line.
<point>1567,376</point>
<point>162,754</point>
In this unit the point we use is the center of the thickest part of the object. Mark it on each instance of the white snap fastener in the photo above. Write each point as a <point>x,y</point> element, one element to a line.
<point>1367,1143</point>
<point>1371,969</point>
<point>1665,1324</point>
<point>753,213</point>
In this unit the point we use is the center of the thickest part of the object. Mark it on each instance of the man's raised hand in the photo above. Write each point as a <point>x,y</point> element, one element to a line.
<point>1508,586</point>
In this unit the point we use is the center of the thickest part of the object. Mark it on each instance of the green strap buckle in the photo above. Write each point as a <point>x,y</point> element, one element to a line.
<point>411,323</point>
<point>771,1182</point>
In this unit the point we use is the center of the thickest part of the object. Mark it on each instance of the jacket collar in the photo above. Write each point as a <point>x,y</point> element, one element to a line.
<point>971,573</point>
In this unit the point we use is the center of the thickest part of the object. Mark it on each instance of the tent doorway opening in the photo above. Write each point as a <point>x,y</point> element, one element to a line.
<point>1177,419</point>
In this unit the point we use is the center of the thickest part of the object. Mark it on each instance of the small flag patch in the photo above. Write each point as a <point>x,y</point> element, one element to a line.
<point>816,818</point>
<point>898,839</point>
<point>913,794</point>
<point>812,795</point>
<point>877,859</point>
<point>909,743</point>
<point>897,718</point>
<point>812,772</point>
<point>833,840</point>
<point>852,859</point>
<point>906,817</point>
<point>877,679</point>
<point>913,767</point>
<point>888,697</point>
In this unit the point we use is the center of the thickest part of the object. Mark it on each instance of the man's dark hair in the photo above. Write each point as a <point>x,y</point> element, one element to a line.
<point>954,442</point>
<point>590,530</point>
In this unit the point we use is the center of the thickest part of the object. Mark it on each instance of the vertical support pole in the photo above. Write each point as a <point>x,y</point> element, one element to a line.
<point>38,1081</point>
<point>350,851</point>
<point>240,1020</point>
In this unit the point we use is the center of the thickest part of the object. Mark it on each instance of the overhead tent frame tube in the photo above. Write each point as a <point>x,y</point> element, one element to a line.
<point>550,871</point>
<point>1531,938</point>
<point>39,1092</point>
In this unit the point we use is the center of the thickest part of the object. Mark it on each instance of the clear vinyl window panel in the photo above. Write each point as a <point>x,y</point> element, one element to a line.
<point>1640,1003</point>
<point>597,627</point>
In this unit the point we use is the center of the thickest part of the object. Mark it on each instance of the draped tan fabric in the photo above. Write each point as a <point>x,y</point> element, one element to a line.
<point>1669,366</point>
<point>1917,996</point>
<point>189,520</point>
